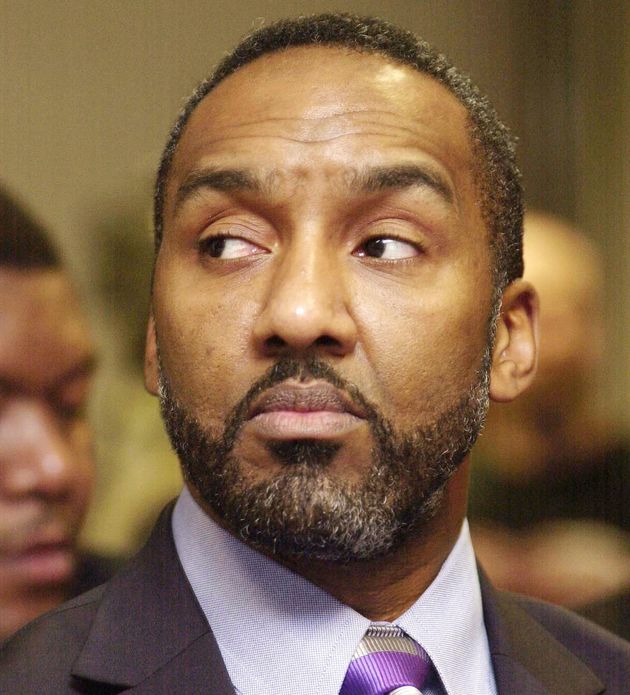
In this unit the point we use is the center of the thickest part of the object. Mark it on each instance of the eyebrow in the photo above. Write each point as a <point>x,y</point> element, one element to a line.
<point>218,180</point>
<point>85,368</point>
<point>370,180</point>
<point>401,177</point>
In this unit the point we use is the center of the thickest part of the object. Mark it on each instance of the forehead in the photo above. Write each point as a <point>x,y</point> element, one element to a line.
<point>351,107</point>
<point>42,330</point>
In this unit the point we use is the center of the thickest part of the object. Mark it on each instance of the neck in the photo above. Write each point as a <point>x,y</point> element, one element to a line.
<point>384,588</point>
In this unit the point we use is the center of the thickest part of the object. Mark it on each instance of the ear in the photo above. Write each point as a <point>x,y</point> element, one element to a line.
<point>515,353</point>
<point>151,370</point>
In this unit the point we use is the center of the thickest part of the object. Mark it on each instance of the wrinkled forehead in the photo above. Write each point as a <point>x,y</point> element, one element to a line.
<point>315,95</point>
<point>328,79</point>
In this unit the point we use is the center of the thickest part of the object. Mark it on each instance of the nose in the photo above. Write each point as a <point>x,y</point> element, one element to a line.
<point>306,308</point>
<point>35,459</point>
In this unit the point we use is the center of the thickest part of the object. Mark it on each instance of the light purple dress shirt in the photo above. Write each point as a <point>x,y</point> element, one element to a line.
<point>280,635</point>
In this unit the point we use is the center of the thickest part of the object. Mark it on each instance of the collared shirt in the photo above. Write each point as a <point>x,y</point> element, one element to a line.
<point>279,634</point>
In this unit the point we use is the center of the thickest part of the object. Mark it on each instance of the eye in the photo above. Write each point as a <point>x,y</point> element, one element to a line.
<point>70,399</point>
<point>72,411</point>
<point>228,247</point>
<point>388,248</point>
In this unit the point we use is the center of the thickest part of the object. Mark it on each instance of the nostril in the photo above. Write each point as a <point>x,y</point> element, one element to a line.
<point>274,342</point>
<point>326,341</point>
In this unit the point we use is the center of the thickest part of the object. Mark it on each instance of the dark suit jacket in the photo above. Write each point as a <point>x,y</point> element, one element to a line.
<point>144,632</point>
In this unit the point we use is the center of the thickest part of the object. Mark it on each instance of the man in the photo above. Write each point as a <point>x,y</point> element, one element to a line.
<point>550,508</point>
<point>46,468</point>
<point>337,222</point>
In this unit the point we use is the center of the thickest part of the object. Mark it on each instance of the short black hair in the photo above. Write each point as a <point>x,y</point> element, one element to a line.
<point>497,176</point>
<point>24,243</point>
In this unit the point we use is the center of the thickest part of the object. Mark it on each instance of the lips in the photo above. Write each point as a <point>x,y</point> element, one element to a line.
<point>318,397</point>
<point>42,563</point>
<point>39,555</point>
<point>304,411</point>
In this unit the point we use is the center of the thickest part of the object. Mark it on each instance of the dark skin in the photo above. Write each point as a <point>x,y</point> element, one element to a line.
<point>385,588</point>
<point>47,361</point>
<point>341,191</point>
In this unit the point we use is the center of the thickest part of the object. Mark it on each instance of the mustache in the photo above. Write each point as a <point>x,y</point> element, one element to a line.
<point>291,368</point>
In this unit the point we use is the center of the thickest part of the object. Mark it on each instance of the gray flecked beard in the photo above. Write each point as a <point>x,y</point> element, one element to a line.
<point>304,511</point>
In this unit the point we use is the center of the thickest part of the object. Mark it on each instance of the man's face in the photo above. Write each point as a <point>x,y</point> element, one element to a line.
<point>46,361</point>
<point>322,222</point>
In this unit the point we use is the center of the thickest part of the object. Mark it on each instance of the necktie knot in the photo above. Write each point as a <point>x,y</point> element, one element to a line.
<point>386,662</point>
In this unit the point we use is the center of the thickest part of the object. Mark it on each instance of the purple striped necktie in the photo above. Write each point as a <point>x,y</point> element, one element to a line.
<point>386,662</point>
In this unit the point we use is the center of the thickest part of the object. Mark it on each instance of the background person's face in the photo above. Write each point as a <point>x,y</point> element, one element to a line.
<point>351,233</point>
<point>46,467</point>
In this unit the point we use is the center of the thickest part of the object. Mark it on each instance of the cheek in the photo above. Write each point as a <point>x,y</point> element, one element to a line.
<point>80,442</point>
<point>204,344</point>
<point>187,330</point>
<point>423,353</point>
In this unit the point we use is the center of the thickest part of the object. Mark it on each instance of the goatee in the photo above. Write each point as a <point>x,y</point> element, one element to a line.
<point>304,511</point>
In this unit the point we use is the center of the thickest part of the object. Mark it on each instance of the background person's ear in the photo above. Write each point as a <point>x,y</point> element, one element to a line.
<point>515,353</point>
<point>151,371</point>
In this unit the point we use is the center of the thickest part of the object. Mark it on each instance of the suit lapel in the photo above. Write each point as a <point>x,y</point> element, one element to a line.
<point>197,669</point>
<point>149,633</point>
<point>527,659</point>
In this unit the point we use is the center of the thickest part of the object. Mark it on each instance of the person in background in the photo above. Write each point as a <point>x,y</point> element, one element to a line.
<point>336,295</point>
<point>550,500</point>
<point>47,363</point>
<point>613,612</point>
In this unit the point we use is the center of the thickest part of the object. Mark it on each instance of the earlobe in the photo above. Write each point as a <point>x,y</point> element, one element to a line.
<point>151,371</point>
<point>515,353</point>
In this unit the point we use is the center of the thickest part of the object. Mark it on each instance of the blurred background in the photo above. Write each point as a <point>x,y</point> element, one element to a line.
<point>89,89</point>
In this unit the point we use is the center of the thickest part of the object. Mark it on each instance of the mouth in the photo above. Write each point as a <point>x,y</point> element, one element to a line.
<point>304,411</point>
<point>42,562</point>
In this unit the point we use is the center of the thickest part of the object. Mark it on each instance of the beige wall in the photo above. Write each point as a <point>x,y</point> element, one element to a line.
<point>89,88</point>
<point>600,79</point>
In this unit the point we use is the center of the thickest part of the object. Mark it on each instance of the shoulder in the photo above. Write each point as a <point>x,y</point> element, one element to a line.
<point>39,658</point>
<point>93,638</point>
<point>565,624</point>
<point>606,654</point>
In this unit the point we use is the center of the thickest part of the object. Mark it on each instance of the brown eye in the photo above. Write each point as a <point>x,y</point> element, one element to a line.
<point>387,249</point>
<point>228,247</point>
<point>375,248</point>
<point>213,246</point>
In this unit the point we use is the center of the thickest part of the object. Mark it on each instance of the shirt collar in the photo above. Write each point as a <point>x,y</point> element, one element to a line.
<point>447,620</point>
<point>280,633</point>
